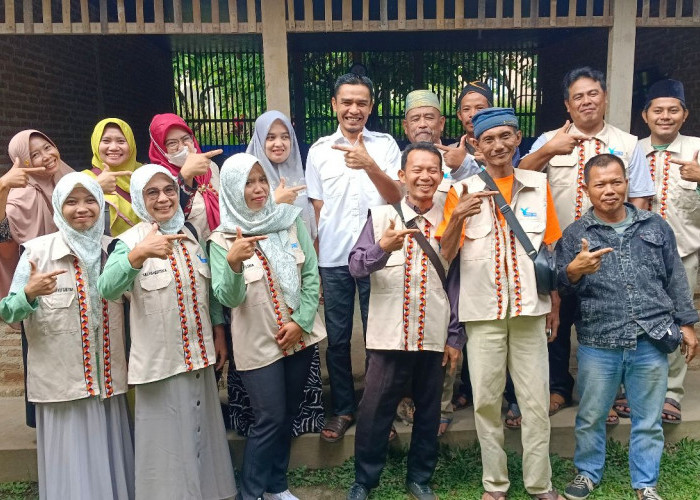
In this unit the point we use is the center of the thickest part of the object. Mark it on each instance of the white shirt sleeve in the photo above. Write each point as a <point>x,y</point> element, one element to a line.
<point>641,184</point>
<point>541,141</point>
<point>392,160</point>
<point>468,168</point>
<point>314,188</point>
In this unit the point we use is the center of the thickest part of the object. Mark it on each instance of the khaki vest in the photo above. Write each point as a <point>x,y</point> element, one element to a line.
<point>496,275</point>
<point>62,364</point>
<point>562,170</point>
<point>253,322</point>
<point>198,214</point>
<point>159,347</point>
<point>681,199</point>
<point>397,308</point>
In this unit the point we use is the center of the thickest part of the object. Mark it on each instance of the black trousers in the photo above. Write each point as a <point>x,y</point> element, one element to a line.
<point>560,380</point>
<point>275,392</point>
<point>387,374</point>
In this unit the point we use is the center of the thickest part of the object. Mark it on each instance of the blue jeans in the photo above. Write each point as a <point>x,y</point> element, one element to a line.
<point>339,307</point>
<point>644,371</point>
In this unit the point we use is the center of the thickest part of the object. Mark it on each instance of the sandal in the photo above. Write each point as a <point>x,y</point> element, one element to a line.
<point>392,433</point>
<point>338,424</point>
<point>612,418</point>
<point>671,416</point>
<point>556,403</point>
<point>446,421</point>
<point>494,495</point>
<point>513,416</point>
<point>405,411</point>
<point>460,402</point>
<point>550,495</point>
<point>621,406</point>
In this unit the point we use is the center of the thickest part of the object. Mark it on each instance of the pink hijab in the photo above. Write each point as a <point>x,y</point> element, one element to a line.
<point>29,210</point>
<point>160,125</point>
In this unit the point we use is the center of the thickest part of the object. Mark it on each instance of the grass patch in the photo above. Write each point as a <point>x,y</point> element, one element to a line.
<point>458,474</point>
<point>24,490</point>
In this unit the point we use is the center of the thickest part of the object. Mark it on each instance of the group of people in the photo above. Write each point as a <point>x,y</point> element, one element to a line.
<point>152,276</point>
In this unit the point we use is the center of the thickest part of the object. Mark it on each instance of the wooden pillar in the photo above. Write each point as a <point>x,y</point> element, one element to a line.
<point>274,34</point>
<point>621,44</point>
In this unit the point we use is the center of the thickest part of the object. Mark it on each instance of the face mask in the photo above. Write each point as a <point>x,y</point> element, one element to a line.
<point>178,159</point>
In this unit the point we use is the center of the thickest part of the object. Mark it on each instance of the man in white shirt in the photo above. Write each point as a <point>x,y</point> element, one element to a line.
<point>562,154</point>
<point>673,163</point>
<point>347,173</point>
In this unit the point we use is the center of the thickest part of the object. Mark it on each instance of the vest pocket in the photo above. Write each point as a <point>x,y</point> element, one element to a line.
<point>58,316</point>
<point>256,287</point>
<point>477,246</point>
<point>561,170</point>
<point>158,296</point>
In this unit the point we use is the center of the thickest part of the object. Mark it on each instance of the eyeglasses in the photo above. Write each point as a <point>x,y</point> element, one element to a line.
<point>154,193</point>
<point>172,144</point>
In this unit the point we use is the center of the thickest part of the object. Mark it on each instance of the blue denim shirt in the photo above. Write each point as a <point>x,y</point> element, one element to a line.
<point>641,286</point>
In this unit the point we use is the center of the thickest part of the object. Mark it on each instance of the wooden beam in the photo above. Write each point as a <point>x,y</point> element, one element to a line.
<point>290,14</point>
<point>104,20</point>
<point>347,14</point>
<point>328,15</point>
<point>252,22</point>
<point>196,13</point>
<point>420,17</point>
<point>459,13</point>
<point>121,16</point>
<point>158,15</point>
<point>440,13</point>
<point>233,16</point>
<point>215,21</point>
<point>402,14</point>
<point>621,44</point>
<point>28,16</point>
<point>46,16</point>
<point>517,13</point>
<point>309,15</point>
<point>10,25</point>
<point>177,13</point>
<point>139,16</point>
<point>383,15</point>
<point>365,15</point>
<point>275,58</point>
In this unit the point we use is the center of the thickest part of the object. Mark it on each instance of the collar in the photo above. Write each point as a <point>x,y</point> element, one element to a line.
<point>339,138</point>
<point>637,216</point>
<point>432,215</point>
<point>60,248</point>
<point>674,147</point>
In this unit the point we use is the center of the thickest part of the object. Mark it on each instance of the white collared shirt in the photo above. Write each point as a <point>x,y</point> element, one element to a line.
<point>347,194</point>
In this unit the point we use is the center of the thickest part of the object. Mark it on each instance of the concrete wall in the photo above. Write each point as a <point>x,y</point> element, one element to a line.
<point>63,85</point>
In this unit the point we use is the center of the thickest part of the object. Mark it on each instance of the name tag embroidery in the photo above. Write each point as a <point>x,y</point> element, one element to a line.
<point>615,152</point>
<point>527,213</point>
<point>157,271</point>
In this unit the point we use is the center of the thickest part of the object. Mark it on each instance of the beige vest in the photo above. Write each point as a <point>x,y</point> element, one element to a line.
<point>408,307</point>
<point>63,364</point>
<point>496,275</point>
<point>198,214</point>
<point>562,170</point>
<point>680,199</point>
<point>160,347</point>
<point>253,323</point>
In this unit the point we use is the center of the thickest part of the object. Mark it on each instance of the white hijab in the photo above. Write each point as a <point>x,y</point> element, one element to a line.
<point>139,179</point>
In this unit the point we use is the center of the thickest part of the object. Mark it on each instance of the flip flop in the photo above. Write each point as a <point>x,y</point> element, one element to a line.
<point>444,420</point>
<point>621,406</point>
<point>556,403</point>
<point>512,415</point>
<point>670,413</point>
<point>612,418</point>
<point>336,424</point>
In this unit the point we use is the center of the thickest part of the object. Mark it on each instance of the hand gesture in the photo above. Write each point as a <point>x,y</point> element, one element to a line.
<point>356,157</point>
<point>454,157</point>
<point>242,249</point>
<point>563,142</point>
<point>587,262</point>
<point>451,356</point>
<point>18,177</point>
<point>689,343</point>
<point>469,204</point>
<point>289,335</point>
<point>393,239</point>
<point>40,283</point>
<point>283,194</point>
<point>197,164</point>
<point>551,324</point>
<point>690,169</point>
<point>108,179</point>
<point>154,245</point>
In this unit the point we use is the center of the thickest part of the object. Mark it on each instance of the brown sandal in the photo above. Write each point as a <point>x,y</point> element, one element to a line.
<point>550,495</point>
<point>495,495</point>
<point>337,424</point>
<point>556,403</point>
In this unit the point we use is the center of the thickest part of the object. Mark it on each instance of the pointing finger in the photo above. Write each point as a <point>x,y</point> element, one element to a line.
<point>32,267</point>
<point>239,233</point>
<point>680,162</point>
<point>171,237</point>
<point>31,170</point>
<point>255,238</point>
<point>484,194</point>
<point>442,147</point>
<point>296,189</point>
<point>213,152</point>
<point>601,252</point>
<point>121,174</point>
<point>580,137</point>
<point>405,232</point>
<point>55,273</point>
<point>343,147</point>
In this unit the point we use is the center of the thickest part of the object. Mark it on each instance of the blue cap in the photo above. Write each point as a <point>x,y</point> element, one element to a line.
<point>493,117</point>
<point>666,88</point>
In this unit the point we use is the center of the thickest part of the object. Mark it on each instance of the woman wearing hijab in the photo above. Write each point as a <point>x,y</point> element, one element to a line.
<point>84,444</point>
<point>275,144</point>
<point>174,146</point>
<point>180,439</point>
<point>28,210</point>
<point>113,162</point>
<point>265,268</point>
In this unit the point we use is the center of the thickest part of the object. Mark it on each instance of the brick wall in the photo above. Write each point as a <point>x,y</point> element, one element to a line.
<point>669,53</point>
<point>63,85</point>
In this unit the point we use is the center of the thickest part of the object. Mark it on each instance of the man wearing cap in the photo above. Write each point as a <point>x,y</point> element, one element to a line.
<point>424,123</point>
<point>562,154</point>
<point>673,164</point>
<point>347,173</point>
<point>505,318</point>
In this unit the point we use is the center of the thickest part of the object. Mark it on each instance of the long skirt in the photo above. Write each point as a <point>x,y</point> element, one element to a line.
<point>85,450</point>
<point>181,446</point>
<point>310,417</point>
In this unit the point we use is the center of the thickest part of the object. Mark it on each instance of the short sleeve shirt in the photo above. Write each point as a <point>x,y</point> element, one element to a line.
<point>347,194</point>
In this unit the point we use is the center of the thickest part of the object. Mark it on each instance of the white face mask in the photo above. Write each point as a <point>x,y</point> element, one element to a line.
<point>178,159</point>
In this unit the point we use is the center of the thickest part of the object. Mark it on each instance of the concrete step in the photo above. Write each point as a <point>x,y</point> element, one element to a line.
<point>18,442</point>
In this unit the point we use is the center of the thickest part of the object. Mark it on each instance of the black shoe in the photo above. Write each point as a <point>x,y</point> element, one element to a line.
<point>357,492</point>
<point>579,488</point>
<point>420,491</point>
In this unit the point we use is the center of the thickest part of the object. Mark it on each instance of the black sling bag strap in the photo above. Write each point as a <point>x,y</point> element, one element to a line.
<point>425,245</point>
<point>509,215</point>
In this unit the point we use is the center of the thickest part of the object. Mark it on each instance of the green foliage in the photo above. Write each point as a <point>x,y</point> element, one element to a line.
<point>19,491</point>
<point>458,474</point>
